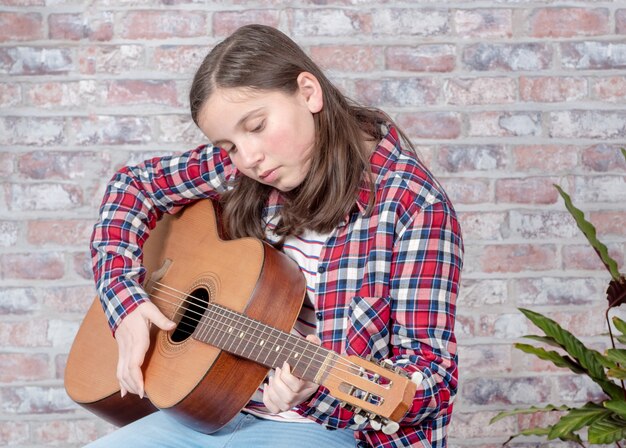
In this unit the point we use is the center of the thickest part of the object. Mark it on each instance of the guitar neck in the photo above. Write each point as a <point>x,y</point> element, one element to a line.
<point>250,339</point>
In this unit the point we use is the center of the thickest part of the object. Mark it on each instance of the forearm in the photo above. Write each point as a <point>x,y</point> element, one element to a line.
<point>134,200</point>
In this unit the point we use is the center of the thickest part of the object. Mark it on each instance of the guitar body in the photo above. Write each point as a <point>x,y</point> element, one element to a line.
<point>199,384</point>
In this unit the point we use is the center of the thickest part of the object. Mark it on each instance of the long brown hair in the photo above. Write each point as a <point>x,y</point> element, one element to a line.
<point>263,58</point>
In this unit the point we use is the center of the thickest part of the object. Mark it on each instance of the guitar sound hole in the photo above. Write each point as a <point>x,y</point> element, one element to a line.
<point>192,310</point>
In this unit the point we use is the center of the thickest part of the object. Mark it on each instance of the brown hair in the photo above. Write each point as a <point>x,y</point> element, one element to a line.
<point>262,58</point>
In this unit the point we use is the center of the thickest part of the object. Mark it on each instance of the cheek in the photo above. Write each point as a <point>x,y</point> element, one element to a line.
<point>293,137</point>
<point>284,142</point>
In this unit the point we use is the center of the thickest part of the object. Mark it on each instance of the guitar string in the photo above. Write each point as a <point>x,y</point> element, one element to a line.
<point>339,360</point>
<point>374,399</point>
<point>264,327</point>
<point>248,320</point>
<point>344,362</point>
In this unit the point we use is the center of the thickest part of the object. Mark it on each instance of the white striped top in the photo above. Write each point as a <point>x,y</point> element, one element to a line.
<point>305,249</point>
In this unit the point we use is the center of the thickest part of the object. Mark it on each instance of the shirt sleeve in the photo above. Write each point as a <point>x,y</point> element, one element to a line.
<point>134,200</point>
<point>425,269</point>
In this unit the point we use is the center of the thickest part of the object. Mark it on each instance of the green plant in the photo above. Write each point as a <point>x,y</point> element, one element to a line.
<point>605,421</point>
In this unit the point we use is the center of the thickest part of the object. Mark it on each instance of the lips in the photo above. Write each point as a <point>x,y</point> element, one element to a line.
<point>266,174</point>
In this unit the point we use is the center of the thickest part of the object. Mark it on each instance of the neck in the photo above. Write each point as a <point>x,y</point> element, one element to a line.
<point>250,339</point>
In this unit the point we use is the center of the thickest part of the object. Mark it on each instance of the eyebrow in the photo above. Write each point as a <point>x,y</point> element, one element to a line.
<point>241,121</point>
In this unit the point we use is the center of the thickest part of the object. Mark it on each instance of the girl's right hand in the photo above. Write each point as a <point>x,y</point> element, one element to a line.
<point>133,340</point>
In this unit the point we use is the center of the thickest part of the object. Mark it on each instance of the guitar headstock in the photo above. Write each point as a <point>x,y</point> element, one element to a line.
<point>375,391</point>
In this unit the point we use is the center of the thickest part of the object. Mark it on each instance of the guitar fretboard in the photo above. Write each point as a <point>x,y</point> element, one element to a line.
<point>250,339</point>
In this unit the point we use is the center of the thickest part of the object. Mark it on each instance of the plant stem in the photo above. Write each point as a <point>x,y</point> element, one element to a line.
<point>608,322</point>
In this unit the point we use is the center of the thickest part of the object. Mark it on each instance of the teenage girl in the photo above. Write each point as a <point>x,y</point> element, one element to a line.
<point>335,186</point>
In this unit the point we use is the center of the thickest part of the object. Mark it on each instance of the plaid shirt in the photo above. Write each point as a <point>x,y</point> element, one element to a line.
<point>386,285</point>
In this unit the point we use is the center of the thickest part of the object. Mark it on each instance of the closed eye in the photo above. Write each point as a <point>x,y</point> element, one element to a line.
<point>259,127</point>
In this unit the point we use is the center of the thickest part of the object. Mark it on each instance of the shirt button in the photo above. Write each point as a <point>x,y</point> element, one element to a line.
<point>321,269</point>
<point>318,315</point>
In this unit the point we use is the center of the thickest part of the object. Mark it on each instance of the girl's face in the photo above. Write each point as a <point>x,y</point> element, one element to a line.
<point>269,135</point>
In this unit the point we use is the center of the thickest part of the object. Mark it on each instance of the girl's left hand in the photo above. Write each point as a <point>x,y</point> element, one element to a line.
<point>284,390</point>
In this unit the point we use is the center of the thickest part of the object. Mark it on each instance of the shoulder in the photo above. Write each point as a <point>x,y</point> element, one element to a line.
<point>403,180</point>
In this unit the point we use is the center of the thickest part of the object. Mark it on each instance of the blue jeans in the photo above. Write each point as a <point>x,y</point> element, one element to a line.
<point>244,431</point>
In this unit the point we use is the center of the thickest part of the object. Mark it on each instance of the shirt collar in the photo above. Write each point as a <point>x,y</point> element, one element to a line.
<point>384,155</point>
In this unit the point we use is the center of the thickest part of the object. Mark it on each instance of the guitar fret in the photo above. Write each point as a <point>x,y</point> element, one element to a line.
<point>238,335</point>
<point>218,324</point>
<point>257,341</point>
<point>213,329</point>
<point>228,330</point>
<point>268,350</point>
<point>246,338</point>
<point>251,339</point>
<point>277,349</point>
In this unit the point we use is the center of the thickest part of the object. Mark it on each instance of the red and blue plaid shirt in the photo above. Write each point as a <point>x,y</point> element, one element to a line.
<point>386,285</point>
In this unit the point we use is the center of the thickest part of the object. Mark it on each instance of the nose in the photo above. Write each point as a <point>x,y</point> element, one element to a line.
<point>250,155</point>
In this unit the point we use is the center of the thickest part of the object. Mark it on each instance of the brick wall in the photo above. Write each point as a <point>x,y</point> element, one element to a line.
<point>503,99</point>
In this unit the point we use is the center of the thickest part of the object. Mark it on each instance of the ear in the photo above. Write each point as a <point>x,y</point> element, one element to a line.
<point>311,91</point>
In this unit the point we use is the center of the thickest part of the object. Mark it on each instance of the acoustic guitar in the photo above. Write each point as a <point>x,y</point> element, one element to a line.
<point>234,303</point>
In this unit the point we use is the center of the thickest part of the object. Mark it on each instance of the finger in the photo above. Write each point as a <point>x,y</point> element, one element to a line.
<point>154,315</point>
<point>134,375</point>
<point>268,397</point>
<point>137,380</point>
<point>122,367</point>
<point>131,356</point>
<point>125,386</point>
<point>125,379</point>
<point>291,382</point>
<point>286,387</point>
<point>313,338</point>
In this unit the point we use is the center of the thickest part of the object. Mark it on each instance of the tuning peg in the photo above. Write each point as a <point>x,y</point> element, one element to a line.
<point>376,424</point>
<point>360,416</point>
<point>346,406</point>
<point>417,377</point>
<point>390,427</point>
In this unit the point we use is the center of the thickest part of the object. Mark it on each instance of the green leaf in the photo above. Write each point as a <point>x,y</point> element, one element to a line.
<point>576,419</point>
<point>530,410</point>
<point>617,373</point>
<point>605,361</point>
<point>555,358</point>
<point>617,406</point>
<point>607,430</point>
<point>590,233</point>
<point>619,324</point>
<point>617,354</point>
<point>544,432</point>
<point>529,432</point>
<point>543,339</point>
<point>623,152</point>
<point>587,358</point>
<point>615,359</point>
